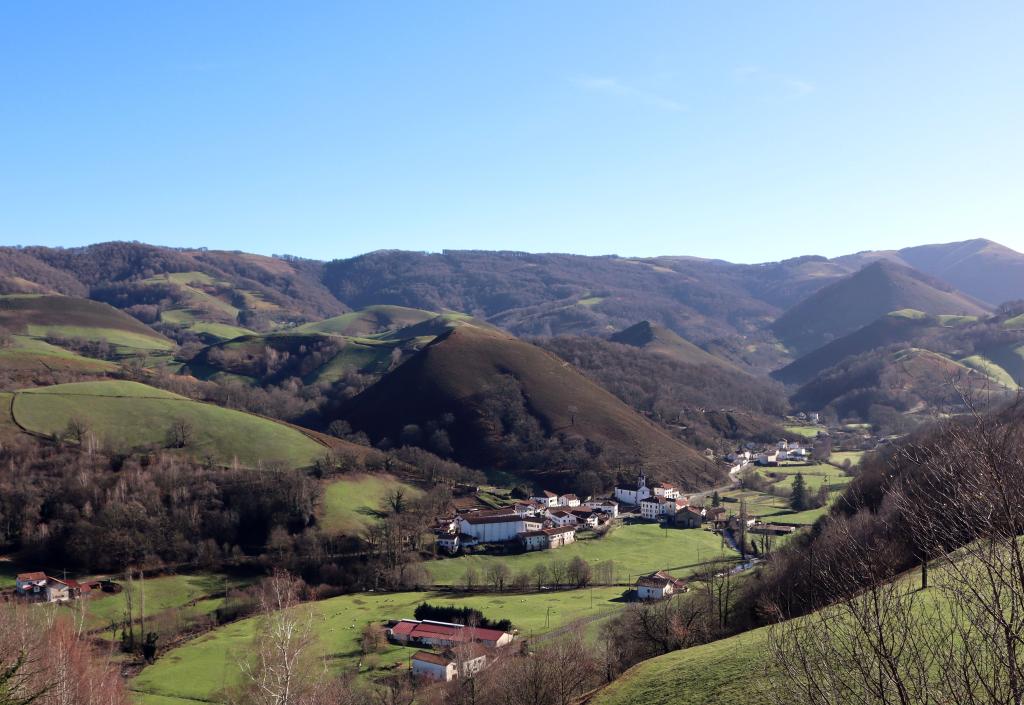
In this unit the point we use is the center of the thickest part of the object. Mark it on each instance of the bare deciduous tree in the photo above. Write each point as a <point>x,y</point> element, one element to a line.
<point>282,667</point>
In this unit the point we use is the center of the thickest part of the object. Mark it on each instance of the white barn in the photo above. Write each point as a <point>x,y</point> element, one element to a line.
<point>495,529</point>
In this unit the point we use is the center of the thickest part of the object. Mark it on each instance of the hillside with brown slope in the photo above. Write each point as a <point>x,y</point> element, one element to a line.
<point>887,330</point>
<point>488,382</point>
<point>904,379</point>
<point>661,341</point>
<point>856,300</point>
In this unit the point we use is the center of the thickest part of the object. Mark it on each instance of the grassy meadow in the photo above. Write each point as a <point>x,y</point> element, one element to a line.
<point>635,549</point>
<point>190,593</point>
<point>128,415</point>
<point>203,666</point>
<point>351,504</point>
<point>770,507</point>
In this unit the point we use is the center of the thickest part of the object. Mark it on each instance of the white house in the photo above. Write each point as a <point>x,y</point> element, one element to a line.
<point>657,586</point>
<point>585,516</point>
<point>561,536</point>
<point>546,498</point>
<point>663,489</point>
<point>568,500</point>
<point>633,496</point>
<point>448,541</point>
<point>527,509</point>
<point>561,517</point>
<point>427,664</point>
<point>656,507</point>
<point>495,529</point>
<point>603,505</point>
<point>445,667</point>
<point>534,540</point>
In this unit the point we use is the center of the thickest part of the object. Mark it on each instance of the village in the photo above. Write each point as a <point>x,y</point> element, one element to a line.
<point>443,650</point>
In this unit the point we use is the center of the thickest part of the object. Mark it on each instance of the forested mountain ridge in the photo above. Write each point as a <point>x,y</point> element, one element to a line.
<point>725,308</point>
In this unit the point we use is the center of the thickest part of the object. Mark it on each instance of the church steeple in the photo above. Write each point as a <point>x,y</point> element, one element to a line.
<point>642,482</point>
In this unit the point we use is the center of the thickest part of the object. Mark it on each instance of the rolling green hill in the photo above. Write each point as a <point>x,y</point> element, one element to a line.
<point>859,299</point>
<point>369,321</point>
<point>377,339</point>
<point>472,373</point>
<point>38,316</point>
<point>129,416</point>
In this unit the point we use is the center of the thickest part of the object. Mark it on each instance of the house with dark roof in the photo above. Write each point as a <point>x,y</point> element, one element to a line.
<point>658,586</point>
<point>448,665</point>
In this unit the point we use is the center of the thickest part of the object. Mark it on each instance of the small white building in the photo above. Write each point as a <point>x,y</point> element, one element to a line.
<point>568,500</point>
<point>654,508</point>
<point>603,505</point>
<point>437,667</point>
<point>546,499</point>
<point>586,517</point>
<point>658,586</point>
<point>448,541</point>
<point>528,509</point>
<point>560,536</point>
<point>562,518</point>
<point>627,495</point>
<point>445,667</point>
<point>663,489</point>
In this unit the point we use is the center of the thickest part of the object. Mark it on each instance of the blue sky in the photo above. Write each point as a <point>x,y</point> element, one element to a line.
<point>749,131</point>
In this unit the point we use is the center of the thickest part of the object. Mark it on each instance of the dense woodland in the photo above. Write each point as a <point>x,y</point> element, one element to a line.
<point>712,401</point>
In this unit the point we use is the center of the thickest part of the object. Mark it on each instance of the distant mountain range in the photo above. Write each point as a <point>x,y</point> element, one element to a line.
<point>733,311</point>
<point>527,363</point>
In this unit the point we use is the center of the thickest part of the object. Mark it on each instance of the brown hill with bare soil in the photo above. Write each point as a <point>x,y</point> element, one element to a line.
<point>493,401</point>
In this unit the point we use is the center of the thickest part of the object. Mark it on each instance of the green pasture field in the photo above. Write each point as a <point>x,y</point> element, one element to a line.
<point>990,369</point>
<point>161,593</point>
<point>351,505</point>
<point>805,431</point>
<point>635,549</point>
<point>200,668</point>
<point>127,416</point>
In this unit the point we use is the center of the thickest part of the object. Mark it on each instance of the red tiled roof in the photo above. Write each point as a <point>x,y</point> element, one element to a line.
<point>485,634</point>
<point>26,577</point>
<point>404,628</point>
<point>427,630</point>
<point>559,530</point>
<point>429,657</point>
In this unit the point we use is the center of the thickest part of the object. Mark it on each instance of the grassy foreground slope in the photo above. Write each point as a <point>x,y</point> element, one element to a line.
<point>720,673</point>
<point>200,668</point>
<point>129,416</point>
<point>68,317</point>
